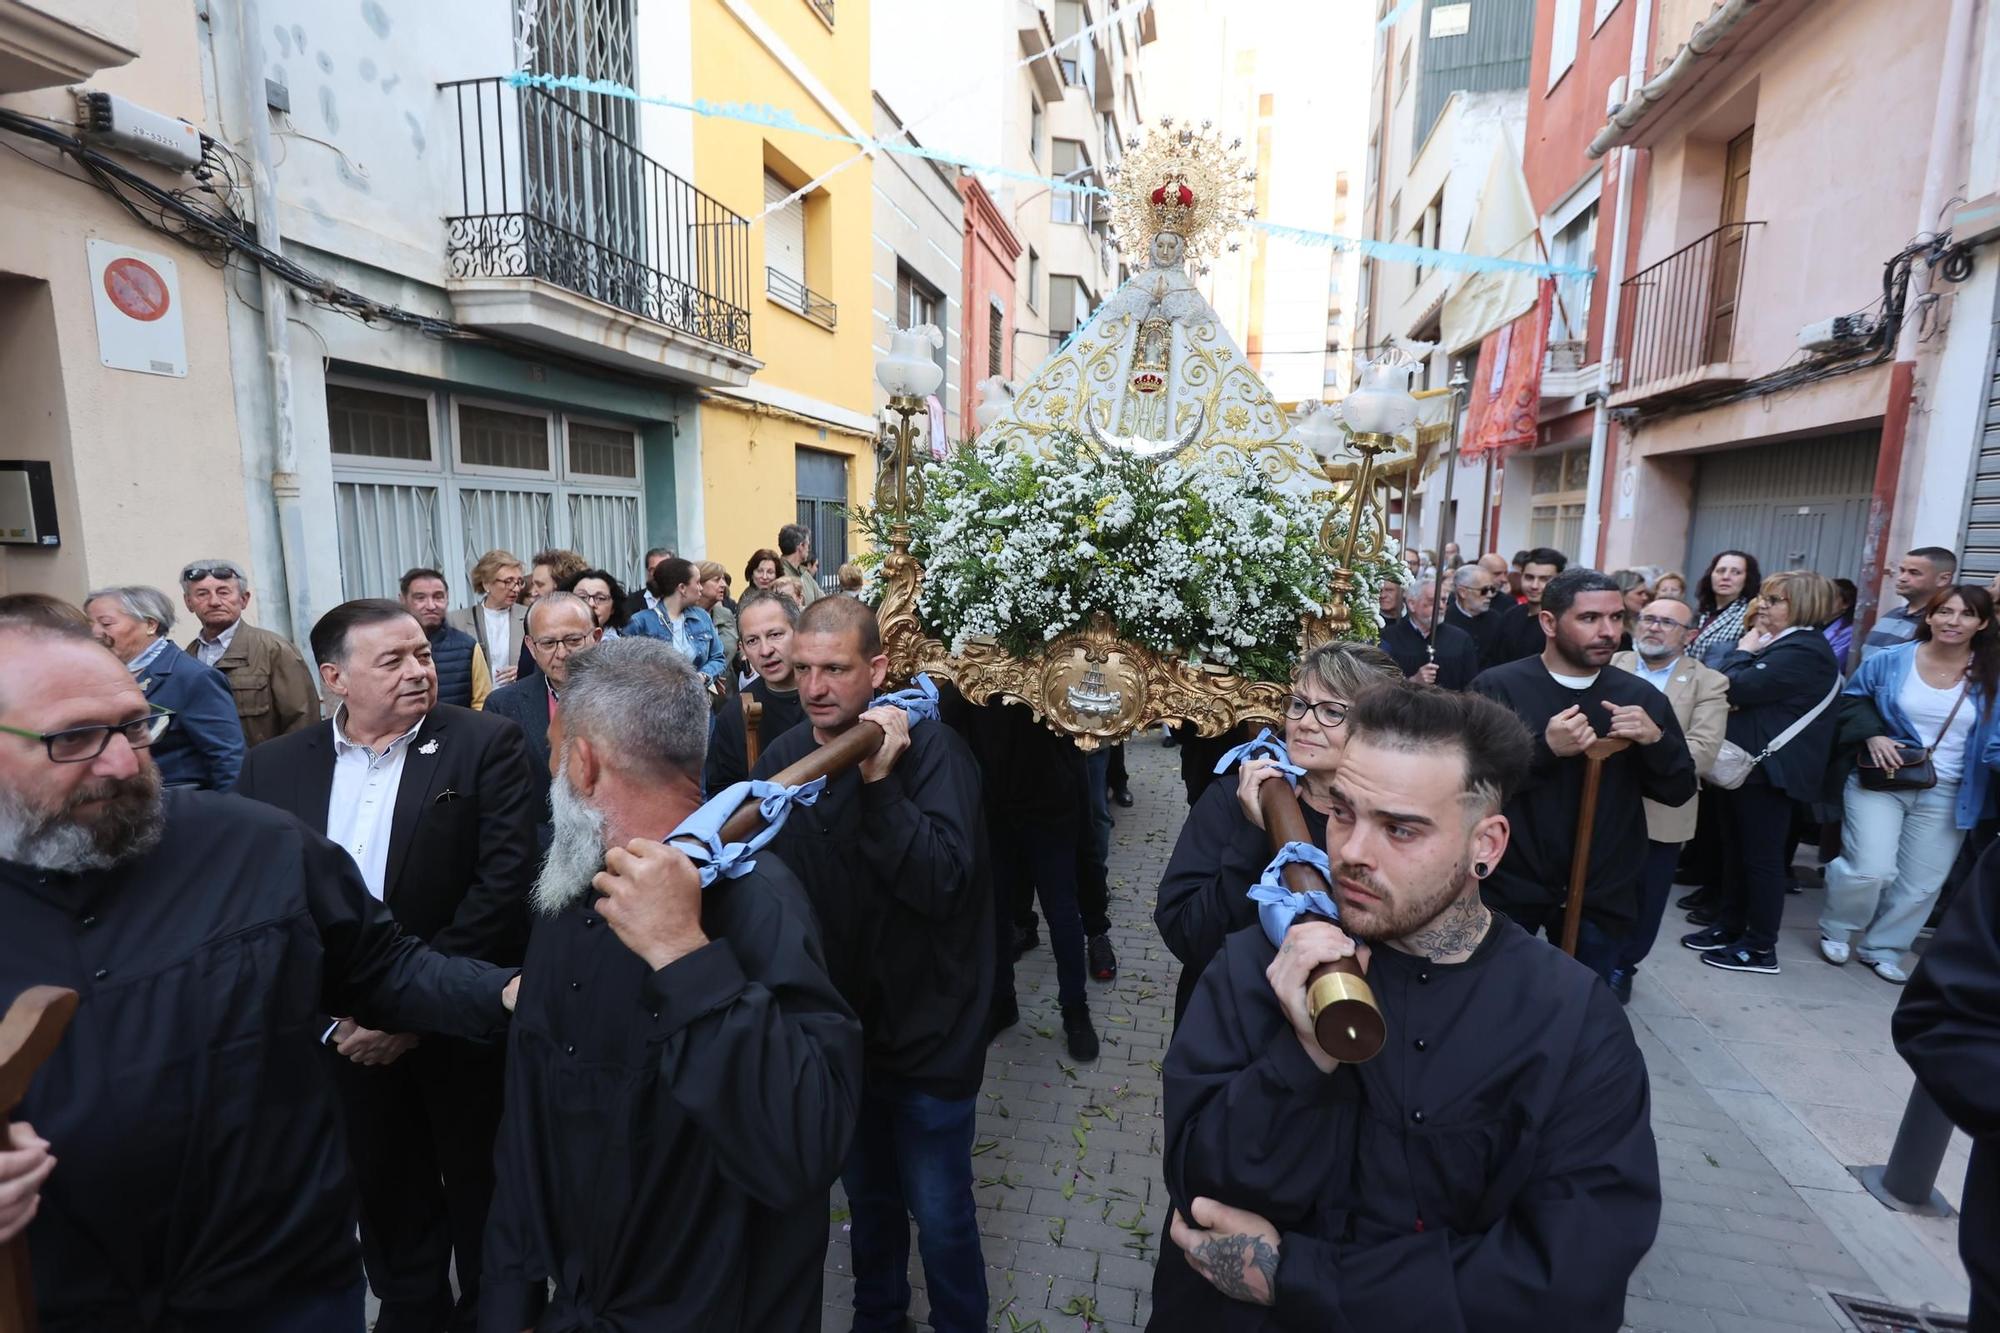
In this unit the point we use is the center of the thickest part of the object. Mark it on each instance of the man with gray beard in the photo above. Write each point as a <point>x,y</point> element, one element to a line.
<point>682,1077</point>
<point>185,1168</point>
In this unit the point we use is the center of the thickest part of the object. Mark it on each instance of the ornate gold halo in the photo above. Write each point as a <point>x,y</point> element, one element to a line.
<point>1170,159</point>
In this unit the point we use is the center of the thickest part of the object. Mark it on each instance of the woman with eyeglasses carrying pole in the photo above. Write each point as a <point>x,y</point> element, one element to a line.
<point>1223,847</point>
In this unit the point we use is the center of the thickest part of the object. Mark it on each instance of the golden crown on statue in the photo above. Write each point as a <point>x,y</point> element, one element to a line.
<point>1186,181</point>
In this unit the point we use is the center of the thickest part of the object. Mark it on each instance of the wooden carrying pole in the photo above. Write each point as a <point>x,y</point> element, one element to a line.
<point>836,756</point>
<point>1586,818</point>
<point>1346,1020</point>
<point>35,1022</point>
<point>753,714</point>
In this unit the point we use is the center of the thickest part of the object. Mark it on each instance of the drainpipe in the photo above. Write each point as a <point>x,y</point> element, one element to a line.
<point>297,600</point>
<point>1597,484</point>
<point>1942,161</point>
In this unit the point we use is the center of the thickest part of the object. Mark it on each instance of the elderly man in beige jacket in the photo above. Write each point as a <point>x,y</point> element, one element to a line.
<point>1700,699</point>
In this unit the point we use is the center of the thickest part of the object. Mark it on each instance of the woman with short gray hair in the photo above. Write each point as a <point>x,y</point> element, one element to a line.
<point>203,745</point>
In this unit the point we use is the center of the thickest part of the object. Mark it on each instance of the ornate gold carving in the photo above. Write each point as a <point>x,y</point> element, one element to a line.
<point>1089,684</point>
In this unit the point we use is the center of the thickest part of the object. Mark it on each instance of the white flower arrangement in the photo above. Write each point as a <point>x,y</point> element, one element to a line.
<point>1215,566</point>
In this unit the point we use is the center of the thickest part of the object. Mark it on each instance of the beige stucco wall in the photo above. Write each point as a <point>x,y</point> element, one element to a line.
<point>148,467</point>
<point>1841,101</point>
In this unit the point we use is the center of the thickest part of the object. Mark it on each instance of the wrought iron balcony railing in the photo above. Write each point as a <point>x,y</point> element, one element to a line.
<point>1678,318</point>
<point>551,191</point>
<point>789,292</point>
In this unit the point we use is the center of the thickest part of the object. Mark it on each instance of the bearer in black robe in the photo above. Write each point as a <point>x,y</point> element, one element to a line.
<point>1428,652</point>
<point>1948,1028</point>
<point>199,1178</point>
<point>682,1083</point>
<point>1568,697</point>
<point>1519,632</point>
<point>1223,846</point>
<point>1494,1167</point>
<point>893,855</point>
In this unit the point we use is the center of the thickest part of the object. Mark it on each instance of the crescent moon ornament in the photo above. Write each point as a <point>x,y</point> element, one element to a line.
<point>1138,445</point>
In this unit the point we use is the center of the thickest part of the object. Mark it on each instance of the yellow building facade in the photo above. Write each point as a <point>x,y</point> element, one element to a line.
<point>796,444</point>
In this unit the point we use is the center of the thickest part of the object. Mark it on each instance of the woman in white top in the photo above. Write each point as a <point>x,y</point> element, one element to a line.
<point>1934,693</point>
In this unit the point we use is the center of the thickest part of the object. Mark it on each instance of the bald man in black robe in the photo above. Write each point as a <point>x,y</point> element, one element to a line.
<point>1494,1167</point>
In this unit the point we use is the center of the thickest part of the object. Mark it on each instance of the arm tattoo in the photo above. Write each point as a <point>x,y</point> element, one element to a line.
<point>1226,1260</point>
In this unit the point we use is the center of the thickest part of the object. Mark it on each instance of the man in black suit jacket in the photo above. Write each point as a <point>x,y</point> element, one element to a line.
<point>434,803</point>
<point>559,625</point>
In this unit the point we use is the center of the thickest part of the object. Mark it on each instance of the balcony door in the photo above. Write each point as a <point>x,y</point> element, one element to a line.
<point>1726,282</point>
<point>585,177</point>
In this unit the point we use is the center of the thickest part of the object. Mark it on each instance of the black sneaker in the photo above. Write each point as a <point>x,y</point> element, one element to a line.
<point>1026,938</point>
<point>1078,1033</point>
<point>1103,962</point>
<point>1620,982</point>
<point>1741,958</point>
<point>1715,937</point>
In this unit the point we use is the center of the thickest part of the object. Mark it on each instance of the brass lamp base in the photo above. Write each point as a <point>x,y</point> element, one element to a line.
<point>1347,1022</point>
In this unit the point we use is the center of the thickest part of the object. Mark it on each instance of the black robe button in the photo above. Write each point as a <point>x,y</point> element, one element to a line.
<point>101,973</point>
<point>1421,1044</point>
<point>1417,1116</point>
<point>1423,978</point>
<point>569,1050</point>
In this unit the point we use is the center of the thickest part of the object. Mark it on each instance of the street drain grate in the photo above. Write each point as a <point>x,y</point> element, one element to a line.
<point>1875,1317</point>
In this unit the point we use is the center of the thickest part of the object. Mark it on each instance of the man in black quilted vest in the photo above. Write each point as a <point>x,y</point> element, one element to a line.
<point>464,678</point>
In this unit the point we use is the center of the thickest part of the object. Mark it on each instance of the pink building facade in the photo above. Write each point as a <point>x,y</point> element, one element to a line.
<point>987,341</point>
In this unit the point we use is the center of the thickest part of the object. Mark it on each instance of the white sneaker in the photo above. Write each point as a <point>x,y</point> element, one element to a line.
<point>1833,951</point>
<point>1892,972</point>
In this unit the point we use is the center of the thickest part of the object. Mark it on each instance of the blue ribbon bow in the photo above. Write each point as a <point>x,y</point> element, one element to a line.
<point>920,700</point>
<point>1278,906</point>
<point>1265,746</point>
<point>700,835</point>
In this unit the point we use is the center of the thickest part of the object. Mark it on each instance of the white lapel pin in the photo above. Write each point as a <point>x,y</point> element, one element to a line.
<point>428,747</point>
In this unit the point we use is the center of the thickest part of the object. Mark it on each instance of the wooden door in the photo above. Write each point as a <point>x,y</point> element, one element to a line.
<point>1727,276</point>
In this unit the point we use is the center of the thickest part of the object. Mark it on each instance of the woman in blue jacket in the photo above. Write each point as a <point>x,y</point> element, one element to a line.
<point>676,618</point>
<point>1936,691</point>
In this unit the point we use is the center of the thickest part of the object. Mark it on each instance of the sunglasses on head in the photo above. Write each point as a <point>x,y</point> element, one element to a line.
<point>196,573</point>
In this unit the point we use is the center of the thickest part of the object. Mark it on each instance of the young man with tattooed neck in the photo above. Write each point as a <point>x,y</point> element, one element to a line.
<point>1494,1166</point>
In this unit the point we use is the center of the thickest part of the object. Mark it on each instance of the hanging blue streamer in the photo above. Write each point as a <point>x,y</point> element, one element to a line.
<point>699,836</point>
<point>1278,906</point>
<point>1266,746</point>
<point>920,700</point>
<point>779,118</point>
<point>1395,16</point>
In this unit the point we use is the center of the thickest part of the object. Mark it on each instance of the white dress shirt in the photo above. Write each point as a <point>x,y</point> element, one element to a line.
<point>210,651</point>
<point>498,628</point>
<point>362,807</point>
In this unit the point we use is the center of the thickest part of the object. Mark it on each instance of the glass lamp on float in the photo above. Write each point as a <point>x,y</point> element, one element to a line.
<point>909,374</point>
<point>1376,414</point>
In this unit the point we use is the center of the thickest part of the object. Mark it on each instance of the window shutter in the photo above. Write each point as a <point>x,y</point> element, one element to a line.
<point>995,335</point>
<point>784,231</point>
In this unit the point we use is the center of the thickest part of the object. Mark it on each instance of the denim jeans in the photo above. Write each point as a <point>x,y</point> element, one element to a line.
<point>1656,885</point>
<point>1898,847</point>
<point>912,1158</point>
<point>1596,948</point>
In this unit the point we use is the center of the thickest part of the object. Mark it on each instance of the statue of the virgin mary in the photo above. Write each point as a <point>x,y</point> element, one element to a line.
<point>1154,370</point>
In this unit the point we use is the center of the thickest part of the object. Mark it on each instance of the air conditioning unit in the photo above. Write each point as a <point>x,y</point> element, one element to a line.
<point>1841,333</point>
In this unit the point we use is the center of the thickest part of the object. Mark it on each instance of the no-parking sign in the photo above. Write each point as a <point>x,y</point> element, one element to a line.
<point>137,295</point>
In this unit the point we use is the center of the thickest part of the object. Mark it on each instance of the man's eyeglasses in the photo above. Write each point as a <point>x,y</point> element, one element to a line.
<point>196,573</point>
<point>1325,711</point>
<point>1477,590</point>
<point>570,641</point>
<point>1661,622</point>
<point>80,745</point>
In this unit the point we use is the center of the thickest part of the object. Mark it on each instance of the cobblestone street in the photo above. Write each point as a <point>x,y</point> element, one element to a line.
<point>1765,1090</point>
